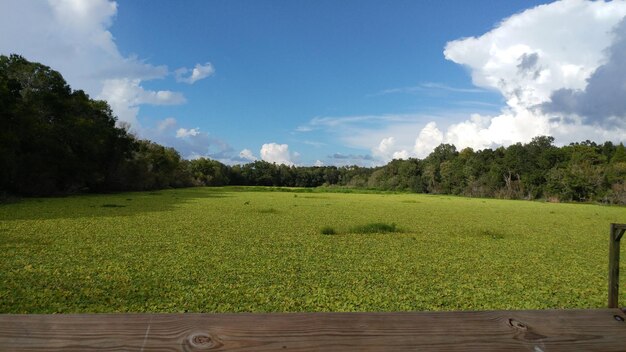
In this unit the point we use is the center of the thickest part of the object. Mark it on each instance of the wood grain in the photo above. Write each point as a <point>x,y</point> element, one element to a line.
<point>617,231</point>
<point>549,330</point>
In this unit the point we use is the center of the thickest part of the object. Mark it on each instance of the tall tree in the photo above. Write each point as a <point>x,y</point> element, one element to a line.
<point>54,140</point>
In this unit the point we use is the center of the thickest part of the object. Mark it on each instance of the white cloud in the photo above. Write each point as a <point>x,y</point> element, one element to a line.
<point>343,121</point>
<point>558,66</point>
<point>429,138</point>
<point>402,154</point>
<point>161,97</point>
<point>428,87</point>
<point>532,54</point>
<point>318,163</point>
<point>125,95</point>
<point>385,149</point>
<point>441,86</point>
<point>73,38</point>
<point>197,73</point>
<point>526,58</point>
<point>193,143</point>
<point>166,124</point>
<point>547,62</point>
<point>278,153</point>
<point>246,155</point>
<point>385,145</point>
<point>184,132</point>
<point>373,132</point>
<point>603,100</point>
<point>367,131</point>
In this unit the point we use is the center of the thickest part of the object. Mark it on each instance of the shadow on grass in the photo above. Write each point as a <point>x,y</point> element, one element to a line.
<point>105,205</point>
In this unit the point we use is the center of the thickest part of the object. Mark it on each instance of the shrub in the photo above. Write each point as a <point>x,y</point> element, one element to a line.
<point>375,227</point>
<point>328,230</point>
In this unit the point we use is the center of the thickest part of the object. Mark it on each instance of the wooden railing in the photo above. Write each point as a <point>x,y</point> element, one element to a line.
<point>535,331</point>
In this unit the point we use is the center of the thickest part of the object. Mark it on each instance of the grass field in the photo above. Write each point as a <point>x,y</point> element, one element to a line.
<point>244,250</point>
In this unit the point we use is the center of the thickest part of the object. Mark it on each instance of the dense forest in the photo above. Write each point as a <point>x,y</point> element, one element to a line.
<point>57,141</point>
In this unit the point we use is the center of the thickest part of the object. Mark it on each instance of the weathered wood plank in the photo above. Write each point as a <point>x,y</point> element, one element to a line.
<point>617,231</point>
<point>550,330</point>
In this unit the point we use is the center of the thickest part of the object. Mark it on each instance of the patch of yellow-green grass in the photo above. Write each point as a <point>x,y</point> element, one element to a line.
<point>240,250</point>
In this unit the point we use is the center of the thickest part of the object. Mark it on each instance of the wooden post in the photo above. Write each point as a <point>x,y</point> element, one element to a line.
<point>617,231</point>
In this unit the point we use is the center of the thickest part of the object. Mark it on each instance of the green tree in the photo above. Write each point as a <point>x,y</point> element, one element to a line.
<point>54,140</point>
<point>209,172</point>
<point>619,156</point>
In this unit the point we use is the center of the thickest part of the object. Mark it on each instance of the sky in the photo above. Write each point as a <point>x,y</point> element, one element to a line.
<point>336,82</point>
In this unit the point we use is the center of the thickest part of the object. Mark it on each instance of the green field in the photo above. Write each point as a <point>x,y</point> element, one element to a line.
<point>245,250</point>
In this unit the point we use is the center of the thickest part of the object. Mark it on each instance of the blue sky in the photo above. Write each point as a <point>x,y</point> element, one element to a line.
<point>332,82</point>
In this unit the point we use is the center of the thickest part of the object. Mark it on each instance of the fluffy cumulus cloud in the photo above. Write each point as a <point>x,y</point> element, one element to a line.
<point>278,153</point>
<point>428,138</point>
<point>187,132</point>
<point>247,156</point>
<point>125,95</point>
<point>559,67</point>
<point>387,137</point>
<point>388,150</point>
<point>603,100</point>
<point>197,73</point>
<point>384,148</point>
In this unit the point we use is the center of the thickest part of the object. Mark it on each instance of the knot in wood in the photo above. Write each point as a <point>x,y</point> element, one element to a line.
<point>618,317</point>
<point>201,342</point>
<point>518,324</point>
<point>524,332</point>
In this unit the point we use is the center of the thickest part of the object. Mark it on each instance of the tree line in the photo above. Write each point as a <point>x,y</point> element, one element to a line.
<point>581,172</point>
<point>56,141</point>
